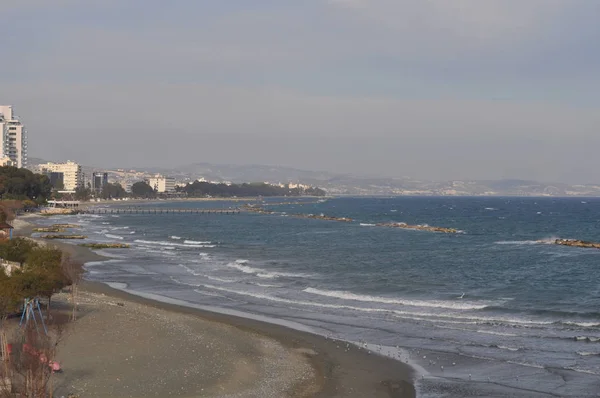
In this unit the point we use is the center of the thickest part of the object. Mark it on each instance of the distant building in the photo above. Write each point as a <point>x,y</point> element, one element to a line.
<point>6,161</point>
<point>56,179</point>
<point>99,180</point>
<point>71,171</point>
<point>14,137</point>
<point>161,184</point>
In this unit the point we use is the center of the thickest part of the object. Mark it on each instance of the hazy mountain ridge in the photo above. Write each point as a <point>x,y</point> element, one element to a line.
<point>346,184</point>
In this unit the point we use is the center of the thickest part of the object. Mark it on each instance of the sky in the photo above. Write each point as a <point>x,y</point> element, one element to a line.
<point>431,89</point>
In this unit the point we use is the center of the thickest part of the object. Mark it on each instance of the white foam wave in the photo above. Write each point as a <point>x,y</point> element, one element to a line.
<point>496,333</point>
<point>519,242</point>
<point>190,270</point>
<point>529,365</point>
<point>366,225</point>
<point>216,278</point>
<point>582,324</point>
<point>110,236</point>
<point>162,243</point>
<point>502,347</point>
<point>579,370</point>
<point>175,237</point>
<point>195,242</point>
<point>387,300</point>
<point>588,354</point>
<point>491,208</point>
<point>262,273</point>
<point>264,285</point>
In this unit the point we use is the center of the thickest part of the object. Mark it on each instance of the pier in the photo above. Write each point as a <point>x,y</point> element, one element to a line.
<point>154,210</point>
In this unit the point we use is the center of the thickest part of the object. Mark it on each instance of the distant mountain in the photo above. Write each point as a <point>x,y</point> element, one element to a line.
<point>346,184</point>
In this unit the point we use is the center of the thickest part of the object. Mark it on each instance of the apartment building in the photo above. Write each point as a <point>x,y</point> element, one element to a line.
<point>14,138</point>
<point>71,171</point>
<point>99,180</point>
<point>162,184</point>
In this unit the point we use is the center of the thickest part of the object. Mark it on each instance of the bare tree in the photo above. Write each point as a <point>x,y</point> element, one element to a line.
<point>32,363</point>
<point>73,272</point>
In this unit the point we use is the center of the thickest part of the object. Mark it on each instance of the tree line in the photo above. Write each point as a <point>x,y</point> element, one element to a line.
<point>198,189</point>
<point>206,189</point>
<point>22,184</point>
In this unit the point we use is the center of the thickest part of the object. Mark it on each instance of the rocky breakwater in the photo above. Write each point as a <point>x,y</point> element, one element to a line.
<point>419,227</point>
<point>63,237</point>
<point>56,228</point>
<point>576,243</point>
<point>96,246</point>
<point>257,209</point>
<point>323,217</point>
<point>262,210</point>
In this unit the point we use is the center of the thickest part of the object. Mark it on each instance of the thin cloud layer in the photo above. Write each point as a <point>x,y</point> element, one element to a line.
<point>433,89</point>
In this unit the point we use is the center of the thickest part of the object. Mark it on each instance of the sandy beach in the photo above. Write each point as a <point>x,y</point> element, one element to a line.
<point>128,346</point>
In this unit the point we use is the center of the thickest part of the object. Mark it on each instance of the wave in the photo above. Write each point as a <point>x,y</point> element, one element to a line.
<point>520,242</point>
<point>175,237</point>
<point>366,225</point>
<point>194,242</point>
<point>110,236</point>
<point>216,278</point>
<point>491,208</point>
<point>588,354</point>
<point>162,243</point>
<point>587,339</point>
<point>581,324</point>
<point>262,273</point>
<point>210,277</point>
<point>385,300</point>
<point>502,347</point>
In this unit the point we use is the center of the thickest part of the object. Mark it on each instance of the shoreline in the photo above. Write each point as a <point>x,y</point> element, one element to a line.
<point>340,370</point>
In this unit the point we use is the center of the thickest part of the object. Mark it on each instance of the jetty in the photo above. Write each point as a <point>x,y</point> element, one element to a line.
<point>261,210</point>
<point>418,227</point>
<point>153,210</point>
<point>577,243</point>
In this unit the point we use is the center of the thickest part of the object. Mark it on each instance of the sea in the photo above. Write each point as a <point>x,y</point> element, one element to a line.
<point>494,310</point>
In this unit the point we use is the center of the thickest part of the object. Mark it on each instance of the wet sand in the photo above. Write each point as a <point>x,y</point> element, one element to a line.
<point>149,348</point>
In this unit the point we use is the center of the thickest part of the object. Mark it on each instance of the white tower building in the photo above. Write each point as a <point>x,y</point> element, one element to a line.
<point>14,138</point>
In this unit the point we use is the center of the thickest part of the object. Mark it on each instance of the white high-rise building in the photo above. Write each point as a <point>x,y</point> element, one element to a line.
<point>14,138</point>
<point>162,184</point>
<point>71,173</point>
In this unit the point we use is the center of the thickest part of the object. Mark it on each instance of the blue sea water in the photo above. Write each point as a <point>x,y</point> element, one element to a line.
<point>491,311</point>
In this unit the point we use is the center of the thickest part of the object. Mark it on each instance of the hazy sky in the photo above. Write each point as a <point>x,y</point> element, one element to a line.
<point>437,89</point>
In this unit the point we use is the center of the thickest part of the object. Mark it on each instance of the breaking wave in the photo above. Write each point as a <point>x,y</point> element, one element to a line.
<point>262,273</point>
<point>387,300</point>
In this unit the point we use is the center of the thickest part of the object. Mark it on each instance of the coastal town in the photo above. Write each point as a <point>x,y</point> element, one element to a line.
<point>72,181</point>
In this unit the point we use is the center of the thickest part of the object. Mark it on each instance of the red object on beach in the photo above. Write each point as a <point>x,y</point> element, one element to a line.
<point>9,348</point>
<point>28,349</point>
<point>55,366</point>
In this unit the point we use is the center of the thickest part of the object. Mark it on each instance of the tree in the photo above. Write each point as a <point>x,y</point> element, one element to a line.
<point>10,298</point>
<point>142,189</point>
<point>22,184</point>
<point>110,191</point>
<point>44,268</point>
<point>73,272</point>
<point>83,194</point>
<point>16,249</point>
